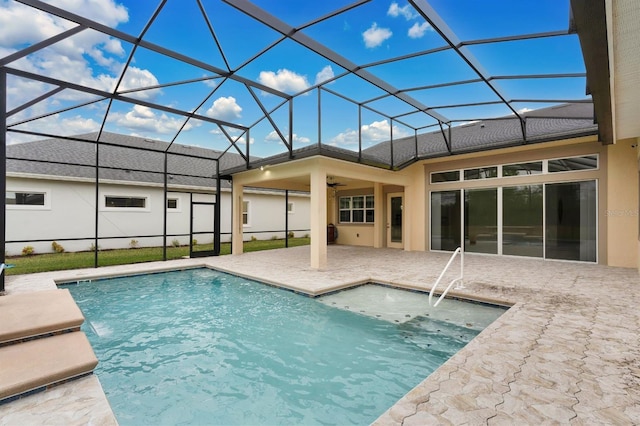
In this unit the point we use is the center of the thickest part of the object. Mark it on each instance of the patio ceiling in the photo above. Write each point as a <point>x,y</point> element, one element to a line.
<point>271,80</point>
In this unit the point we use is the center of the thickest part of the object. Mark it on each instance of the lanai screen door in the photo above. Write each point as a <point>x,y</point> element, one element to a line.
<point>204,228</point>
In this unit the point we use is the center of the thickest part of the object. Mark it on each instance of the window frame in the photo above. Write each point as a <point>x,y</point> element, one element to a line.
<point>246,213</point>
<point>177,208</point>
<point>351,209</point>
<point>291,210</point>
<point>45,206</point>
<point>146,198</point>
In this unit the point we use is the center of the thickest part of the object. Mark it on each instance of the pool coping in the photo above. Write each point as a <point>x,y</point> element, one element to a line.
<point>547,319</point>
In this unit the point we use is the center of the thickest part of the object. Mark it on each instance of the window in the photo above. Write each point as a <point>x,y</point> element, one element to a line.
<point>522,169</point>
<point>290,207</point>
<point>25,198</point>
<point>245,213</point>
<point>172,203</point>
<point>356,209</point>
<point>587,162</point>
<point>481,173</point>
<point>125,202</point>
<point>452,176</point>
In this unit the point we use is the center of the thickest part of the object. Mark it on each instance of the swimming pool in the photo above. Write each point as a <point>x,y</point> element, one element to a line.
<point>204,347</point>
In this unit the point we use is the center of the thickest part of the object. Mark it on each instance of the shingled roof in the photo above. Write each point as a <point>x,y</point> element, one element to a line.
<point>121,158</point>
<point>542,125</point>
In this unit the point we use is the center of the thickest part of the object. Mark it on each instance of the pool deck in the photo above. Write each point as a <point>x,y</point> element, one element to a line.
<point>566,352</point>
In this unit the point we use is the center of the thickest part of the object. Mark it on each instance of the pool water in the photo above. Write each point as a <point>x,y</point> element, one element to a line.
<point>204,347</point>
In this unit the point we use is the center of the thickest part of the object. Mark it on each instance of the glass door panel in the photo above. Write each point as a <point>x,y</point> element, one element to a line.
<point>445,220</point>
<point>396,219</point>
<point>522,220</point>
<point>481,220</point>
<point>570,214</point>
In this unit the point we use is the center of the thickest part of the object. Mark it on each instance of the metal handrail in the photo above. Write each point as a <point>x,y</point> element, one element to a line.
<point>460,278</point>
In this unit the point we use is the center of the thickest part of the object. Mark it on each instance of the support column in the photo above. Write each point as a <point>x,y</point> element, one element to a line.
<point>236,219</point>
<point>379,224</point>
<point>407,209</point>
<point>318,219</point>
<point>3,171</point>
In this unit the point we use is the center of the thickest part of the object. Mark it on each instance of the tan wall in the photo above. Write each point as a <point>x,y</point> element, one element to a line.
<point>355,235</point>
<point>622,204</point>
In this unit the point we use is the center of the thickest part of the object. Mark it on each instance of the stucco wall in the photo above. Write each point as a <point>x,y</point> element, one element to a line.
<point>69,212</point>
<point>622,204</point>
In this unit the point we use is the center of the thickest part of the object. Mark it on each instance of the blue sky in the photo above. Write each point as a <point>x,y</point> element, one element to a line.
<point>372,32</point>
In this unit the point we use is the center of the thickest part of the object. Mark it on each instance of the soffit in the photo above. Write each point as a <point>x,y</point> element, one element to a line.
<point>626,67</point>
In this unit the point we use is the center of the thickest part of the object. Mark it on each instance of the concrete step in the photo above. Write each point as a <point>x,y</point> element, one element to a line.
<point>40,313</point>
<point>39,363</point>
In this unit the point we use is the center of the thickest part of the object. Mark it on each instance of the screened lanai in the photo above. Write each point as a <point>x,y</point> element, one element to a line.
<point>377,83</point>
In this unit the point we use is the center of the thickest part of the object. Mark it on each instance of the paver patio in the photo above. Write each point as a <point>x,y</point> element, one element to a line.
<point>567,352</point>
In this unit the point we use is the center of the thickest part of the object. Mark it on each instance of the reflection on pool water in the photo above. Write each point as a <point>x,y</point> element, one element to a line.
<point>204,347</point>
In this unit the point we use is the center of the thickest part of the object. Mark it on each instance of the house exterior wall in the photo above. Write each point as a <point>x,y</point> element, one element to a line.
<point>583,146</point>
<point>69,212</point>
<point>622,204</point>
<point>617,193</point>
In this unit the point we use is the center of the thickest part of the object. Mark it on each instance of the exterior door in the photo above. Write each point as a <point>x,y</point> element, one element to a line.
<point>203,226</point>
<point>394,220</point>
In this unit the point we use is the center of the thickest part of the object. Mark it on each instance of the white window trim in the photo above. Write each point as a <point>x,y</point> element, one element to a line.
<point>248,212</point>
<point>178,208</point>
<point>351,209</point>
<point>545,169</point>
<point>47,199</point>
<point>546,164</point>
<point>146,208</point>
<point>500,202</point>
<point>293,207</point>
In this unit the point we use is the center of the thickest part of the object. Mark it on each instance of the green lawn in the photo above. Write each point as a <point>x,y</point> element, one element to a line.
<point>61,261</point>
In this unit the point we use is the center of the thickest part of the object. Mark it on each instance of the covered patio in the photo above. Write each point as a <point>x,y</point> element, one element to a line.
<point>566,351</point>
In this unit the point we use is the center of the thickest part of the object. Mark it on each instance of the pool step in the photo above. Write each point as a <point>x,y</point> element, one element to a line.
<point>41,343</point>
<point>41,313</point>
<point>40,363</point>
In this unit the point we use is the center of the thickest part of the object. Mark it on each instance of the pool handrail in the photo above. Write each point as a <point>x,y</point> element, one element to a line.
<point>458,279</point>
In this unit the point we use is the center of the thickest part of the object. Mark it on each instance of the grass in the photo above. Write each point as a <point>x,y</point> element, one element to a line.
<point>63,261</point>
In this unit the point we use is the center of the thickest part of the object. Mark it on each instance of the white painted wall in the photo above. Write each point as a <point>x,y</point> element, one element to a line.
<point>69,212</point>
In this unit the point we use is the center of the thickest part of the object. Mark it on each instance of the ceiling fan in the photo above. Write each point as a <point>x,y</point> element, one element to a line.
<point>332,184</point>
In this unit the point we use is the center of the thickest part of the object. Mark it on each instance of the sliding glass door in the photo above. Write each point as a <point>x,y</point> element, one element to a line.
<point>481,220</point>
<point>445,220</point>
<point>522,220</point>
<point>552,220</point>
<point>571,221</point>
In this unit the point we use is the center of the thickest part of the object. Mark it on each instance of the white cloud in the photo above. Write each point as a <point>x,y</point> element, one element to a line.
<point>225,109</point>
<point>135,78</point>
<point>243,140</point>
<point>325,74</point>
<point>210,83</point>
<point>284,80</point>
<point>377,131</point>
<point>146,119</point>
<point>104,11</point>
<point>418,30</point>
<point>273,137</point>
<point>55,125</point>
<point>374,36</point>
<point>406,11</point>
<point>525,109</point>
<point>89,58</point>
